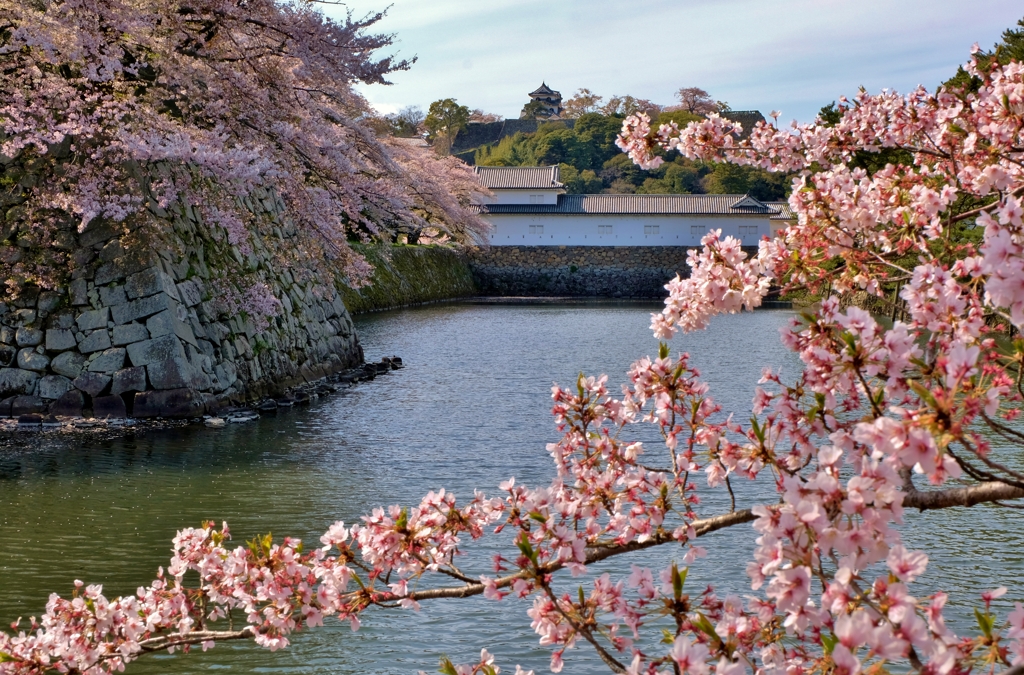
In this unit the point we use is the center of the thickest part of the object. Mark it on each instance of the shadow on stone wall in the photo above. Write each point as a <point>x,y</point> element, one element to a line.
<point>594,271</point>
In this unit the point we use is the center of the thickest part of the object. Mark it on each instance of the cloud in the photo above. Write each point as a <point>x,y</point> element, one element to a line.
<point>794,55</point>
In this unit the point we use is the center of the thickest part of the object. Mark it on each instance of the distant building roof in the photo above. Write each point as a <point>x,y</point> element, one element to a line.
<point>519,177</point>
<point>785,213</point>
<point>545,90</point>
<point>704,205</point>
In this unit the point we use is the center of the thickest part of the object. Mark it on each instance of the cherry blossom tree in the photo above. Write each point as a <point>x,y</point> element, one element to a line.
<point>114,110</point>
<point>885,417</point>
<point>697,101</point>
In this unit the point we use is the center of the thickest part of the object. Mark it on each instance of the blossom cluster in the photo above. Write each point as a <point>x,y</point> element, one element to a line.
<point>118,112</point>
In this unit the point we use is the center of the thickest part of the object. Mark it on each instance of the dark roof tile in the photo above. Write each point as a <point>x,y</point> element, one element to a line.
<point>519,177</point>
<point>705,205</point>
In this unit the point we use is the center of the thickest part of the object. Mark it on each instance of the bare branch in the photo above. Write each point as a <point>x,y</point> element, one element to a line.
<point>968,496</point>
<point>701,527</point>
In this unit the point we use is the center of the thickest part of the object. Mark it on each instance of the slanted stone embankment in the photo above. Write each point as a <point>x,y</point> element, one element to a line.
<point>142,327</point>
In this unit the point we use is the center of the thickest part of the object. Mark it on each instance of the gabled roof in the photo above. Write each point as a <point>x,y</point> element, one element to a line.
<point>545,90</point>
<point>519,177</point>
<point>704,205</point>
<point>748,202</point>
<point>785,213</point>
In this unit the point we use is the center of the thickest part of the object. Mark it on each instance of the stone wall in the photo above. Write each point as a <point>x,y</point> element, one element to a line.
<point>141,328</point>
<point>603,271</point>
<point>410,275</point>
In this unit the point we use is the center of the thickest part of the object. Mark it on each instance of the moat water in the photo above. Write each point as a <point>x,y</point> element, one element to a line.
<point>470,409</point>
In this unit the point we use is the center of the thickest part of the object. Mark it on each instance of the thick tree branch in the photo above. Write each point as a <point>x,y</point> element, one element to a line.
<point>969,496</point>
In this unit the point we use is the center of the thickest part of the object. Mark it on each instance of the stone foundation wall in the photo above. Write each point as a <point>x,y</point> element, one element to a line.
<point>410,275</point>
<point>141,329</point>
<point>604,271</point>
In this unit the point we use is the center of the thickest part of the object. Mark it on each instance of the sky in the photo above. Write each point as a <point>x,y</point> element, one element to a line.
<point>789,55</point>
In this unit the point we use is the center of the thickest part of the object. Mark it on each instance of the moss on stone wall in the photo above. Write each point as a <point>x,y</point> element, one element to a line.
<point>410,275</point>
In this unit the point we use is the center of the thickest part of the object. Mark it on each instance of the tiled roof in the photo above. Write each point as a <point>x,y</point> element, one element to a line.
<point>785,213</point>
<point>544,90</point>
<point>705,205</point>
<point>519,177</point>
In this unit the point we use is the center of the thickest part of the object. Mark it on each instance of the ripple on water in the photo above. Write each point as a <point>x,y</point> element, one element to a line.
<point>470,409</point>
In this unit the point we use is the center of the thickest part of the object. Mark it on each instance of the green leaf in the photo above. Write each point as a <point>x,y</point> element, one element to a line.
<point>447,667</point>
<point>667,637</point>
<point>403,519</point>
<point>539,517</point>
<point>923,393</point>
<point>663,350</point>
<point>678,580</point>
<point>583,598</point>
<point>985,622</point>
<point>758,430</point>
<point>829,642</point>
<point>4,657</point>
<point>524,546</point>
<point>704,626</point>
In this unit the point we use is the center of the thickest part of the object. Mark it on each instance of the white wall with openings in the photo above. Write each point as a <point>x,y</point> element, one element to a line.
<point>620,230</point>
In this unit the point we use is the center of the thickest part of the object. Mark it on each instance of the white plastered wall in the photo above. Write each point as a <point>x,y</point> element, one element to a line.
<point>620,230</point>
<point>536,196</point>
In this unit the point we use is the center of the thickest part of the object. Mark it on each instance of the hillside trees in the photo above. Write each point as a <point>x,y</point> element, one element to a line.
<point>113,111</point>
<point>407,122</point>
<point>445,118</point>
<point>589,148</point>
<point>582,102</point>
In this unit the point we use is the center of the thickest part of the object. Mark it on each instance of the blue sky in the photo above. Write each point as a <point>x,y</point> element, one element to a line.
<point>789,55</point>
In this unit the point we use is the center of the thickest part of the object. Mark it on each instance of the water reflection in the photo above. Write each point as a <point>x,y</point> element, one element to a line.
<point>470,409</point>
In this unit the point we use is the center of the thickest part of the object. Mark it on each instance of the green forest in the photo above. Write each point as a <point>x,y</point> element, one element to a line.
<point>590,162</point>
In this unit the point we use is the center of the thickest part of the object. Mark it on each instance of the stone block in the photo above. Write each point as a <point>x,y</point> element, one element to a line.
<point>93,319</point>
<point>48,301</point>
<point>5,406</point>
<point>28,337</point>
<point>79,292</point>
<point>7,335</point>
<point>28,359</point>
<point>93,384</point>
<point>68,364</point>
<point>24,316</point>
<point>97,232</point>
<point>173,403</point>
<point>158,349</point>
<point>68,405</point>
<point>109,407</point>
<point>168,323</point>
<point>96,341</point>
<point>7,355</point>
<point>151,282</point>
<point>112,295</point>
<point>170,373</point>
<point>143,307</point>
<point>111,251</point>
<point>109,361</point>
<point>131,263</point>
<point>129,333</point>
<point>129,379</point>
<point>190,293</point>
<point>27,405</point>
<point>63,320</point>
<point>59,340</point>
<point>53,386</point>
